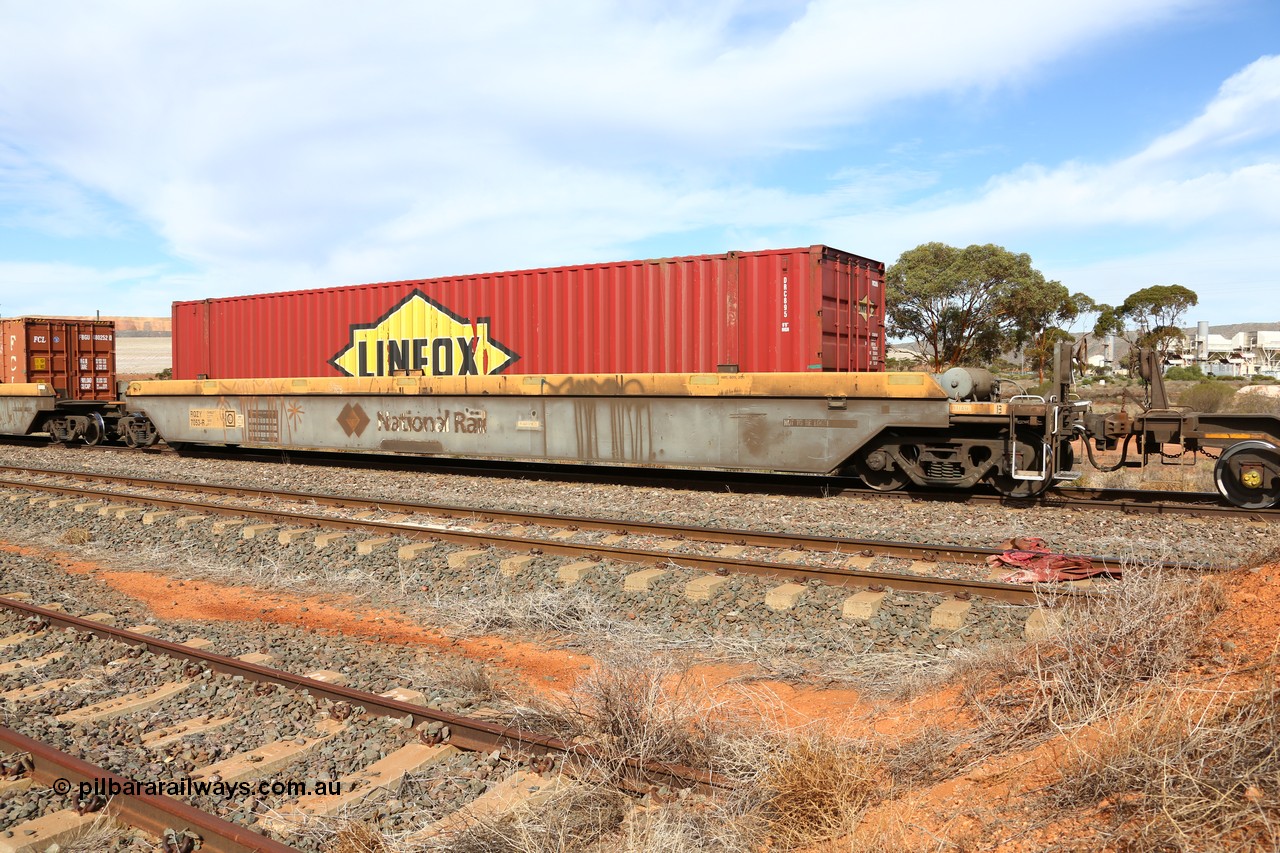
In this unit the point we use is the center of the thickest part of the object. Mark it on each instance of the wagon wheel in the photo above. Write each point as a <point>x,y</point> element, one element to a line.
<point>1031,451</point>
<point>1066,456</point>
<point>95,430</point>
<point>878,470</point>
<point>1248,474</point>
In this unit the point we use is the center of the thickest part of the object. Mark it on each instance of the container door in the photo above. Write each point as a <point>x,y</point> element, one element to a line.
<point>836,280</point>
<point>852,313</point>
<point>95,357</point>
<point>47,357</point>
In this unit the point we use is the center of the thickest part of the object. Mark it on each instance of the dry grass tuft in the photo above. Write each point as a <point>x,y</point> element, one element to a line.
<point>75,536</point>
<point>103,834</point>
<point>1175,780</point>
<point>717,826</point>
<point>573,819</point>
<point>815,787</point>
<point>356,837</point>
<point>471,679</point>
<point>1104,652</point>
<point>538,612</point>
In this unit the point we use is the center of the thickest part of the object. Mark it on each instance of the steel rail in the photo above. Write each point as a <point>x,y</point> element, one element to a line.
<point>1154,502</point>
<point>1128,501</point>
<point>764,539</point>
<point>465,732</point>
<point>840,577</point>
<point>152,813</point>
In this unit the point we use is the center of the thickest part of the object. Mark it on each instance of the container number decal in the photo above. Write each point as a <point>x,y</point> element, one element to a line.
<point>214,419</point>
<point>420,337</point>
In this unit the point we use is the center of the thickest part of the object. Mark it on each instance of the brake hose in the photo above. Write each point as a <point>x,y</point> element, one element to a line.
<point>1088,448</point>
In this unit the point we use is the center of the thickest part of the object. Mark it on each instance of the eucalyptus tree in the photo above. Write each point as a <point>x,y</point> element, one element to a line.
<point>969,305</point>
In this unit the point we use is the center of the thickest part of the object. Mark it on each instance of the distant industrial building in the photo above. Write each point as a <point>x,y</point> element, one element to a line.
<point>1249,352</point>
<point>1246,353</point>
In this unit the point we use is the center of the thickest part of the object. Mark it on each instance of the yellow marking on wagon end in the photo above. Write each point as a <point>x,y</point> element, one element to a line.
<point>979,408</point>
<point>25,389</point>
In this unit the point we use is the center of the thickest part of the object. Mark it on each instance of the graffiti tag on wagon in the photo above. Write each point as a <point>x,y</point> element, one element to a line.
<point>420,337</point>
<point>468,421</point>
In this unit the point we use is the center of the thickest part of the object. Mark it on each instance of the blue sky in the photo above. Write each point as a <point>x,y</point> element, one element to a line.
<point>153,151</point>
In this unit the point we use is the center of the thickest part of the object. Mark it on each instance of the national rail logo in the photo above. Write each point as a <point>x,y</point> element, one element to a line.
<point>420,337</point>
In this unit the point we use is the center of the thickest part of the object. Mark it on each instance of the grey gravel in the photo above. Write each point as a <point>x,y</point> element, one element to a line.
<point>1145,538</point>
<point>257,717</point>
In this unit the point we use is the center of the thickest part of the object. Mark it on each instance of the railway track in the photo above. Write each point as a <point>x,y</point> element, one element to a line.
<point>796,558</point>
<point>1129,501</point>
<point>174,824</point>
<point>413,736</point>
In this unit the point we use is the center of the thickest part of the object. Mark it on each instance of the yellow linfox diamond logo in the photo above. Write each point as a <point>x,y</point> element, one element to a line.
<point>420,337</point>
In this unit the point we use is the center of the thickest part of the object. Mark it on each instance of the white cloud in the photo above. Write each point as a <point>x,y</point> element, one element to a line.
<point>317,132</point>
<point>66,288</point>
<point>1246,108</point>
<point>1236,277</point>
<point>1214,182</point>
<point>32,198</point>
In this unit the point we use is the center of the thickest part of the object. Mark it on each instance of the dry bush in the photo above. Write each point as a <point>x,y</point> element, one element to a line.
<point>1134,631</point>
<point>472,679</point>
<point>1179,782</point>
<point>899,676</point>
<point>715,826</point>
<point>815,787</point>
<point>573,819</point>
<point>1208,396</point>
<point>1255,404</point>
<point>75,536</point>
<point>932,755</point>
<point>540,612</point>
<point>356,837</point>
<point>634,705</point>
<point>103,834</point>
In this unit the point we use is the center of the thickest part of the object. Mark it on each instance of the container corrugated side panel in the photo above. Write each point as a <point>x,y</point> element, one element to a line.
<point>757,311</point>
<point>76,357</point>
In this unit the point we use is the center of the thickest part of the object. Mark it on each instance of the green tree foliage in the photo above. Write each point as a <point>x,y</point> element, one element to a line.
<point>1040,351</point>
<point>1157,312</point>
<point>1110,321</point>
<point>968,305</point>
<point>1191,373</point>
<point>1041,311</point>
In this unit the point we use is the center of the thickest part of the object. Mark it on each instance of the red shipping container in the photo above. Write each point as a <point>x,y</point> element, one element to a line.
<point>813,308</point>
<point>76,357</point>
